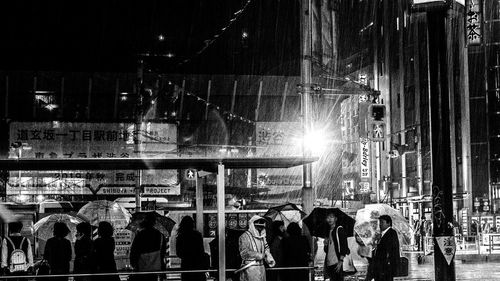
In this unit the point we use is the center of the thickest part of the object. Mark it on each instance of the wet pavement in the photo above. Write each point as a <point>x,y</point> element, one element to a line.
<point>464,271</point>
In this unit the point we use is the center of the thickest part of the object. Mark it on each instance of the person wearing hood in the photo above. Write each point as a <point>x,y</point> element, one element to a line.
<point>254,251</point>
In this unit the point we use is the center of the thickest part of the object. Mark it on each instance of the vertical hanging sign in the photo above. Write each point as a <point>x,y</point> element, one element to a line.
<point>473,22</point>
<point>364,152</point>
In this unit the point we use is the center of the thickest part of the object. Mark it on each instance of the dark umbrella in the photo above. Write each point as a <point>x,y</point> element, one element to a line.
<point>316,221</point>
<point>287,213</point>
<point>163,224</point>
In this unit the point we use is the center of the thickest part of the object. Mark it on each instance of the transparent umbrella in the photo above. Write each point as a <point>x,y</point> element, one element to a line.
<point>367,226</point>
<point>103,210</point>
<point>44,228</point>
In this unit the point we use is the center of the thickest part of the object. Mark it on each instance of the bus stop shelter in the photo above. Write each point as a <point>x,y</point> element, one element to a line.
<point>217,165</point>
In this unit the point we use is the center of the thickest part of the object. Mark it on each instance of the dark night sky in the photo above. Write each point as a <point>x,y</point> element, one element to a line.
<point>107,35</point>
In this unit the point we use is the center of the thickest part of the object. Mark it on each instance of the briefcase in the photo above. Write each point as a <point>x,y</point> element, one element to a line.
<point>402,267</point>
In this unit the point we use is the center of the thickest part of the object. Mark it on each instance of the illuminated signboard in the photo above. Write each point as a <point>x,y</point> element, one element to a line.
<point>45,140</point>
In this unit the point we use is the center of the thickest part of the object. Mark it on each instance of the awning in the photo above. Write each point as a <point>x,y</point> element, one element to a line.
<point>151,163</point>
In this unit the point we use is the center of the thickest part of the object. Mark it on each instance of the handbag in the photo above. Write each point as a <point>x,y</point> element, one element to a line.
<point>151,261</point>
<point>348,267</point>
<point>42,267</point>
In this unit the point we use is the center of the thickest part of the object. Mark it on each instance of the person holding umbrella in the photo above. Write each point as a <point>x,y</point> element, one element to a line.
<point>58,251</point>
<point>335,248</point>
<point>148,249</point>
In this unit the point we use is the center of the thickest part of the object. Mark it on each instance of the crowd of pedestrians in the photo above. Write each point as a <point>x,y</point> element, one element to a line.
<point>286,248</point>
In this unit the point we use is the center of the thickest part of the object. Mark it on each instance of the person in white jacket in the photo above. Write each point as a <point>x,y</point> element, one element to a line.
<point>254,251</point>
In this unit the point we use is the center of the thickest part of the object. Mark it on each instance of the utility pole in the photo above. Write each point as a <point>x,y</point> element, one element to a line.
<point>439,102</point>
<point>306,81</point>
<point>137,130</point>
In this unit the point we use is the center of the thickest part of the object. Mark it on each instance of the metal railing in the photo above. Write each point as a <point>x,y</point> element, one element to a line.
<point>164,273</point>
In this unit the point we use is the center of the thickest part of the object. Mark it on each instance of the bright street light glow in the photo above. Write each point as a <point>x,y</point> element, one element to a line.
<point>315,142</point>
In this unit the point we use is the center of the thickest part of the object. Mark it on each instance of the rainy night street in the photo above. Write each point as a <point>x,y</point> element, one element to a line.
<point>250,140</point>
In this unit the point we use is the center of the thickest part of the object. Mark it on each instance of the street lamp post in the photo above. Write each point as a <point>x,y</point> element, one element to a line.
<point>306,89</point>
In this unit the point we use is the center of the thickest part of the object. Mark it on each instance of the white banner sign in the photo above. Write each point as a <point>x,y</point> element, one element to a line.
<point>364,152</point>
<point>88,140</point>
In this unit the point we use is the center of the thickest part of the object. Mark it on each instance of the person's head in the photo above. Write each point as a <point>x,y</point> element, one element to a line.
<point>187,224</point>
<point>105,229</point>
<point>149,220</point>
<point>15,227</point>
<point>277,228</point>
<point>331,218</point>
<point>60,229</point>
<point>385,222</point>
<point>260,224</point>
<point>294,229</point>
<point>83,229</point>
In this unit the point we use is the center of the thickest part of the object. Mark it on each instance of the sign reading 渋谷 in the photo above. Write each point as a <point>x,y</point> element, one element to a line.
<point>364,152</point>
<point>48,140</point>
<point>279,139</point>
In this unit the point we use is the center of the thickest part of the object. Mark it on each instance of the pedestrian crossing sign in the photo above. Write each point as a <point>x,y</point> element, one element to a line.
<point>190,174</point>
<point>377,131</point>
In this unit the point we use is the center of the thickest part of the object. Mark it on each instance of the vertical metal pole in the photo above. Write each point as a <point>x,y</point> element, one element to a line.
<point>199,203</point>
<point>137,131</point>
<point>465,119</point>
<point>418,129</point>
<point>377,167</point>
<point>451,92</point>
<point>442,203</point>
<point>306,79</point>
<point>402,113</point>
<point>221,221</point>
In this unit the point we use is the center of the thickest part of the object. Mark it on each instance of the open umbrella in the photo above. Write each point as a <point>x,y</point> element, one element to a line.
<point>287,213</point>
<point>44,228</point>
<point>163,224</point>
<point>103,210</point>
<point>367,226</point>
<point>316,221</point>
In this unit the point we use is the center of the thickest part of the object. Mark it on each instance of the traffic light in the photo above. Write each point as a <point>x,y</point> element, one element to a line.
<point>376,116</point>
<point>377,112</point>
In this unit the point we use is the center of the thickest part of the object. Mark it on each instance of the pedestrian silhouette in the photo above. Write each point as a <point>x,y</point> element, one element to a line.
<point>84,247</point>
<point>148,249</point>
<point>58,251</point>
<point>103,254</point>
<point>189,248</point>
<point>296,253</point>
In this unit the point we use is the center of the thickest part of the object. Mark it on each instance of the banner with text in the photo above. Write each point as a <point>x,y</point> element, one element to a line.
<point>90,140</point>
<point>279,139</point>
<point>364,152</point>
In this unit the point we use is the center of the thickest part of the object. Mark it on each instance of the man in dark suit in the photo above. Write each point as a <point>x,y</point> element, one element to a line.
<point>386,258</point>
